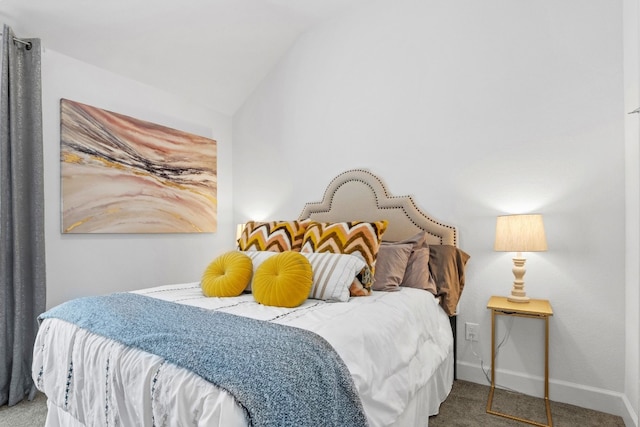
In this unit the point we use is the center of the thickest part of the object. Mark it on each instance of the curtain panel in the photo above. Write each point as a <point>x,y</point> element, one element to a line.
<point>22,251</point>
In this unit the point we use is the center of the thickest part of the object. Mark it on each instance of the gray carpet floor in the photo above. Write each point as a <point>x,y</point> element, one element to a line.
<point>465,407</point>
<point>25,414</point>
<point>467,403</point>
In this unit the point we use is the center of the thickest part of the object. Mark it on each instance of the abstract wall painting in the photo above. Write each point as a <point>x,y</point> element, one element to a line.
<point>124,175</point>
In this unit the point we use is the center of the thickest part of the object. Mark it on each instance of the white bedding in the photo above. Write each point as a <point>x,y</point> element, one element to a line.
<point>398,347</point>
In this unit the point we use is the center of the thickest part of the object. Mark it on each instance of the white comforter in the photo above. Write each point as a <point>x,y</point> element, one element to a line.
<point>392,342</point>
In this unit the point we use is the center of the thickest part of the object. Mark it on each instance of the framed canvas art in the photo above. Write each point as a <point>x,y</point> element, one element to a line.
<point>124,175</point>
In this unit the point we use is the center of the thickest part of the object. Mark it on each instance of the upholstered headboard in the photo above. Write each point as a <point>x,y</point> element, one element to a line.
<point>358,194</point>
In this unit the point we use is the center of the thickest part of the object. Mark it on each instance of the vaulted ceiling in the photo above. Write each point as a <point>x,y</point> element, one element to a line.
<point>212,52</point>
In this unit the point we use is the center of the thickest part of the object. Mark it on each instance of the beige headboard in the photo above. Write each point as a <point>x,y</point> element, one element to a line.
<point>359,195</point>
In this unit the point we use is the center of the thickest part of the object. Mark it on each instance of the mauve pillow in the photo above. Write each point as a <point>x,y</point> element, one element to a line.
<point>416,241</point>
<point>418,275</point>
<point>390,266</point>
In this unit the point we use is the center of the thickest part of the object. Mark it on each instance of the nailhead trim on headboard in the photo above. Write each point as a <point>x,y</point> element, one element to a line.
<point>446,234</point>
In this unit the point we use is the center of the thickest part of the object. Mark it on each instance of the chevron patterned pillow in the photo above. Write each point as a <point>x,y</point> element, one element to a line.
<point>353,237</point>
<point>274,236</point>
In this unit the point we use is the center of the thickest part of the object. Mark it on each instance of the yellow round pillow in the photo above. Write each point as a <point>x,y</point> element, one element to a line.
<point>227,275</point>
<point>284,280</point>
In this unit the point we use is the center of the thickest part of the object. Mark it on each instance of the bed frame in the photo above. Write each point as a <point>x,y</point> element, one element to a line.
<point>358,194</point>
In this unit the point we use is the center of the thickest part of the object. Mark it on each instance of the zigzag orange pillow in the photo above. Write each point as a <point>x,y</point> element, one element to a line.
<point>273,236</point>
<point>354,237</point>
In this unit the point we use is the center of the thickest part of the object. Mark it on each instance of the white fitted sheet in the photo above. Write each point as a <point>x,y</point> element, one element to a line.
<point>398,347</point>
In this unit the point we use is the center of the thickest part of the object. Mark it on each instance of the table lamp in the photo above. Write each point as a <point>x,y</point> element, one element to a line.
<point>520,233</point>
<point>239,230</point>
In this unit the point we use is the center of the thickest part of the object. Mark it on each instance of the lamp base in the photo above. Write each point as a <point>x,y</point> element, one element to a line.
<point>518,293</point>
<point>514,298</point>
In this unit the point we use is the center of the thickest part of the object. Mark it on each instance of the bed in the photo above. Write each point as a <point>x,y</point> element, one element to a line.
<point>397,347</point>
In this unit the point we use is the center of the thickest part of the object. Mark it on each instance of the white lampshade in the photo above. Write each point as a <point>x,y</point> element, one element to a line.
<point>239,230</point>
<point>520,233</point>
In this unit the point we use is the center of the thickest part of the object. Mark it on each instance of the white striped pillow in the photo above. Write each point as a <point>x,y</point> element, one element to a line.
<point>257,258</point>
<point>332,273</point>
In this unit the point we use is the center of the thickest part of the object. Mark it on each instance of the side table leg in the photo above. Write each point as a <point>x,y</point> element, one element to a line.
<point>546,371</point>
<point>493,360</point>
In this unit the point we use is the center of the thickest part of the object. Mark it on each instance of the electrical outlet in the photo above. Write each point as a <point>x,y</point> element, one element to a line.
<point>471,331</point>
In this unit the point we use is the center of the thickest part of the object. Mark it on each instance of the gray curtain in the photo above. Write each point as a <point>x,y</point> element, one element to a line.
<point>22,256</point>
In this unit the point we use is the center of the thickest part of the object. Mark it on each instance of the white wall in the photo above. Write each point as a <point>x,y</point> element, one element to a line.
<point>632,138</point>
<point>89,264</point>
<point>476,109</point>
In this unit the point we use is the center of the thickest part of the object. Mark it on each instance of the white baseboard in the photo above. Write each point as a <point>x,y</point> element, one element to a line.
<point>584,396</point>
<point>631,420</point>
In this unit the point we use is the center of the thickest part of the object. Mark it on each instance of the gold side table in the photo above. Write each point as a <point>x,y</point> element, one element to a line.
<point>534,309</point>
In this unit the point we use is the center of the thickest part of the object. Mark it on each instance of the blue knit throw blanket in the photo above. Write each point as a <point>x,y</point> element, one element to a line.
<point>280,375</point>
